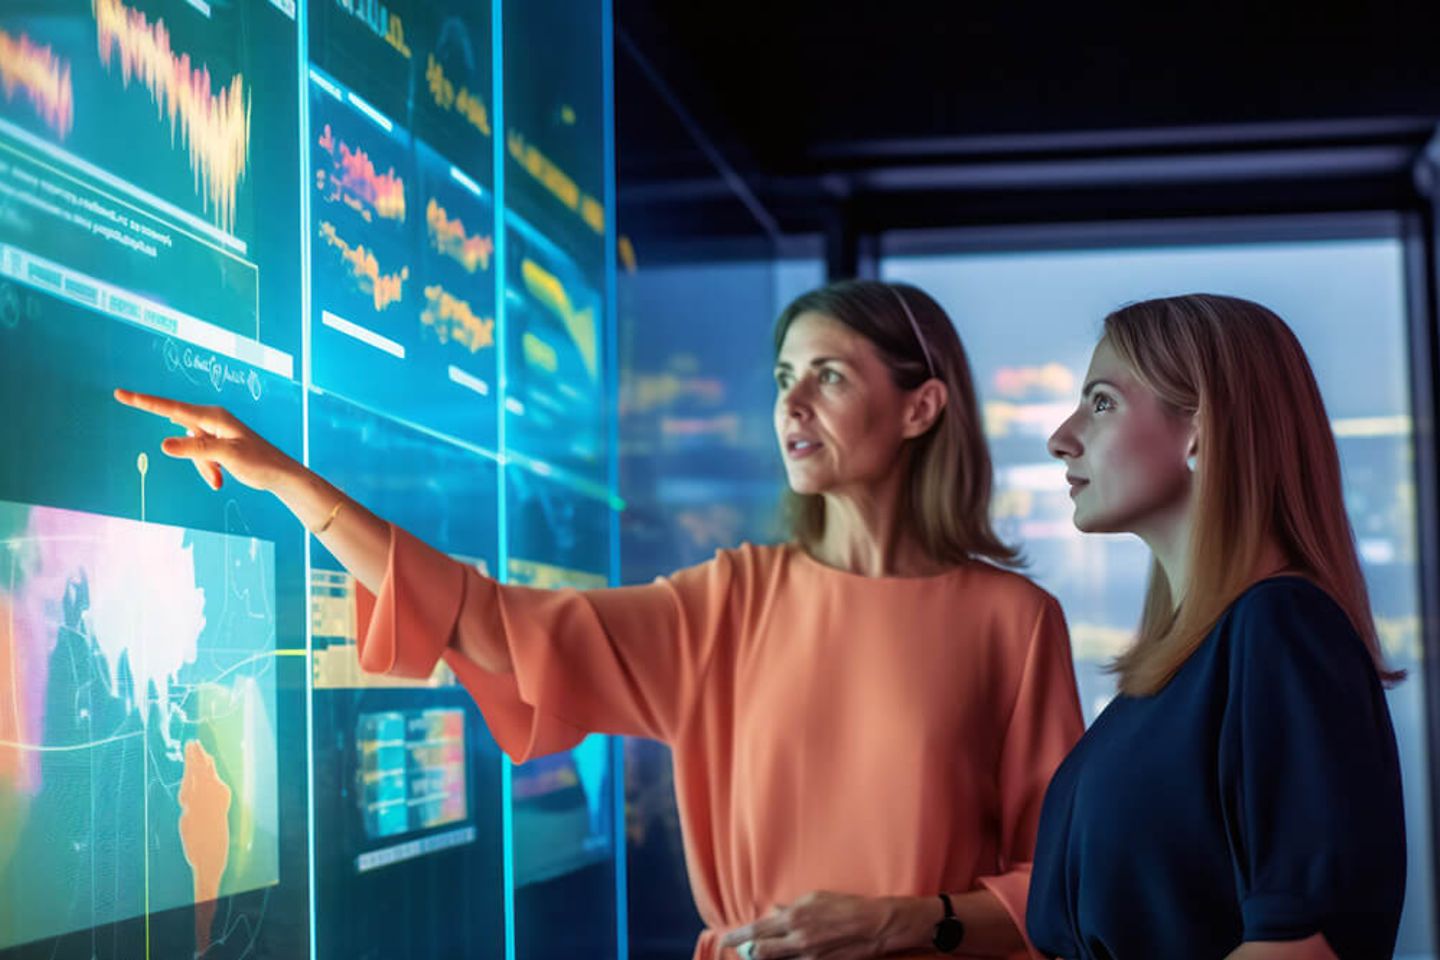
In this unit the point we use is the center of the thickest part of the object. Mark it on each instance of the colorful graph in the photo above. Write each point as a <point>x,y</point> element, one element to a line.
<point>550,291</point>
<point>44,77</point>
<point>138,766</point>
<point>449,238</point>
<point>469,106</point>
<point>452,319</point>
<point>383,288</point>
<point>354,181</point>
<point>412,770</point>
<point>214,127</point>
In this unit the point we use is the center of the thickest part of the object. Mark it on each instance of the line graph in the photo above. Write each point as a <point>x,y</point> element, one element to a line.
<point>469,106</point>
<point>384,289</point>
<point>449,238</point>
<point>453,319</point>
<point>44,78</point>
<point>354,180</point>
<point>549,290</point>
<point>213,126</point>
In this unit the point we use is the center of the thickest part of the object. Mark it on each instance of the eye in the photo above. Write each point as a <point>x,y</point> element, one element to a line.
<point>782,380</point>
<point>1101,402</point>
<point>828,376</point>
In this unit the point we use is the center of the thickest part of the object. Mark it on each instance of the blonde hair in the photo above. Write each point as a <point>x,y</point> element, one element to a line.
<point>947,506</point>
<point>1268,470</point>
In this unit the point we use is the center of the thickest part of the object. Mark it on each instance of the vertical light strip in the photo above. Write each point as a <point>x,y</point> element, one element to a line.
<point>612,385</point>
<point>502,391</point>
<point>302,57</point>
<point>145,816</point>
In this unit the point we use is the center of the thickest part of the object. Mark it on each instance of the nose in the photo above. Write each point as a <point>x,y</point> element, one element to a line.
<point>795,401</point>
<point>1063,443</point>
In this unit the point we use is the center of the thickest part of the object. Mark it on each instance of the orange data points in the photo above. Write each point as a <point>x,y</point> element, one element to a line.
<point>384,288</point>
<point>215,127</point>
<point>448,237</point>
<point>354,181</point>
<point>44,77</point>
<point>442,90</point>
<point>452,319</point>
<point>554,179</point>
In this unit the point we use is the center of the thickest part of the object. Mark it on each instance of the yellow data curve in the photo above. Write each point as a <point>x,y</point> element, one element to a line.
<point>545,287</point>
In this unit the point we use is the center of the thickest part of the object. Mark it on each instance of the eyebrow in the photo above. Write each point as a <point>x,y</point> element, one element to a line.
<point>1089,387</point>
<point>817,362</point>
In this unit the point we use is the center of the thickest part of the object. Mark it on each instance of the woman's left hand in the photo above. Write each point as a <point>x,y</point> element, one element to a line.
<point>819,926</point>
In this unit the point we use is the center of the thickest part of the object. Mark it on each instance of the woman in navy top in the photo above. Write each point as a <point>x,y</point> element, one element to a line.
<point>1240,798</point>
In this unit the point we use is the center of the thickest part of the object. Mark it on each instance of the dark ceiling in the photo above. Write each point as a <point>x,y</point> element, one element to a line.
<point>902,114</point>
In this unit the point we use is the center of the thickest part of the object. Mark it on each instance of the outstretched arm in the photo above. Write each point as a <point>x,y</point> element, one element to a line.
<point>643,624</point>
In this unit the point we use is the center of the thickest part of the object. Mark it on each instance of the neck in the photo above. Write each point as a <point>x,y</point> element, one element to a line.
<point>865,532</point>
<point>1168,537</point>
<point>1169,540</point>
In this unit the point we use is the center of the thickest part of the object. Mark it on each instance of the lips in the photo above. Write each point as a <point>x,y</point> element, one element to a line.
<point>1076,483</point>
<point>799,447</point>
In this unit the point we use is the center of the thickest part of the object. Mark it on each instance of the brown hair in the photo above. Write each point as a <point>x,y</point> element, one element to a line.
<point>947,504</point>
<point>1268,470</point>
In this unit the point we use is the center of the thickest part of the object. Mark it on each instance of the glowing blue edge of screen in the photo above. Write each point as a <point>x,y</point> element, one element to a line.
<point>502,527</point>
<point>302,88</point>
<point>612,233</point>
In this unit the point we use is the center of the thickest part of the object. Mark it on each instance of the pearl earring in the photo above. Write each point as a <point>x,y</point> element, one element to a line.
<point>1190,462</point>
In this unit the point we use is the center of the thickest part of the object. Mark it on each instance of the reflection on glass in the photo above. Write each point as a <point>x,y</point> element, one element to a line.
<point>407,779</point>
<point>555,401</point>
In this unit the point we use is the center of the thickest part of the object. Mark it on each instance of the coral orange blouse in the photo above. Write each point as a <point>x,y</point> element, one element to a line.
<point>869,735</point>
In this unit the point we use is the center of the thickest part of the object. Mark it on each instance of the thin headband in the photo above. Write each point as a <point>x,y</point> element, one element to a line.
<point>914,325</point>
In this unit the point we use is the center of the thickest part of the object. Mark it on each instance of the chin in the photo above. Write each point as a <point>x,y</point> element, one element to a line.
<point>804,485</point>
<point>805,489</point>
<point>1087,522</point>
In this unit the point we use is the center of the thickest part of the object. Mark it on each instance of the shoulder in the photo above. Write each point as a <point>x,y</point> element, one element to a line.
<point>751,560</point>
<point>1285,604</point>
<point>1290,619</point>
<point>1005,594</point>
<point>1018,618</point>
<point>746,564</point>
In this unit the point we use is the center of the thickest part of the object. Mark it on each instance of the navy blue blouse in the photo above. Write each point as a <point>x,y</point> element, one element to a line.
<point>1256,797</point>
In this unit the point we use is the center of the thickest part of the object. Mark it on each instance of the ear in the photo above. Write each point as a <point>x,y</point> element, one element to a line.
<point>1192,441</point>
<point>923,407</point>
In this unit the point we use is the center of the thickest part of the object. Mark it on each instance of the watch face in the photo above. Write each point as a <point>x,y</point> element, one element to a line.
<point>948,934</point>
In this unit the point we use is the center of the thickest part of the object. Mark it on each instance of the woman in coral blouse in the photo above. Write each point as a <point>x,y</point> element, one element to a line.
<point>1240,798</point>
<point>862,719</point>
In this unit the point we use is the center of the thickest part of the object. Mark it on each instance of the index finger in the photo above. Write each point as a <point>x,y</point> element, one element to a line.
<point>184,414</point>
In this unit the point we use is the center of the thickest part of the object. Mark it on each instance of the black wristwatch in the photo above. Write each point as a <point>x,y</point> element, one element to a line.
<point>949,932</point>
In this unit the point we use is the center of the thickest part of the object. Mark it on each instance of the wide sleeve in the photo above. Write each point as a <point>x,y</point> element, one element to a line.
<point>1310,775</point>
<point>629,660</point>
<point>1044,725</point>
